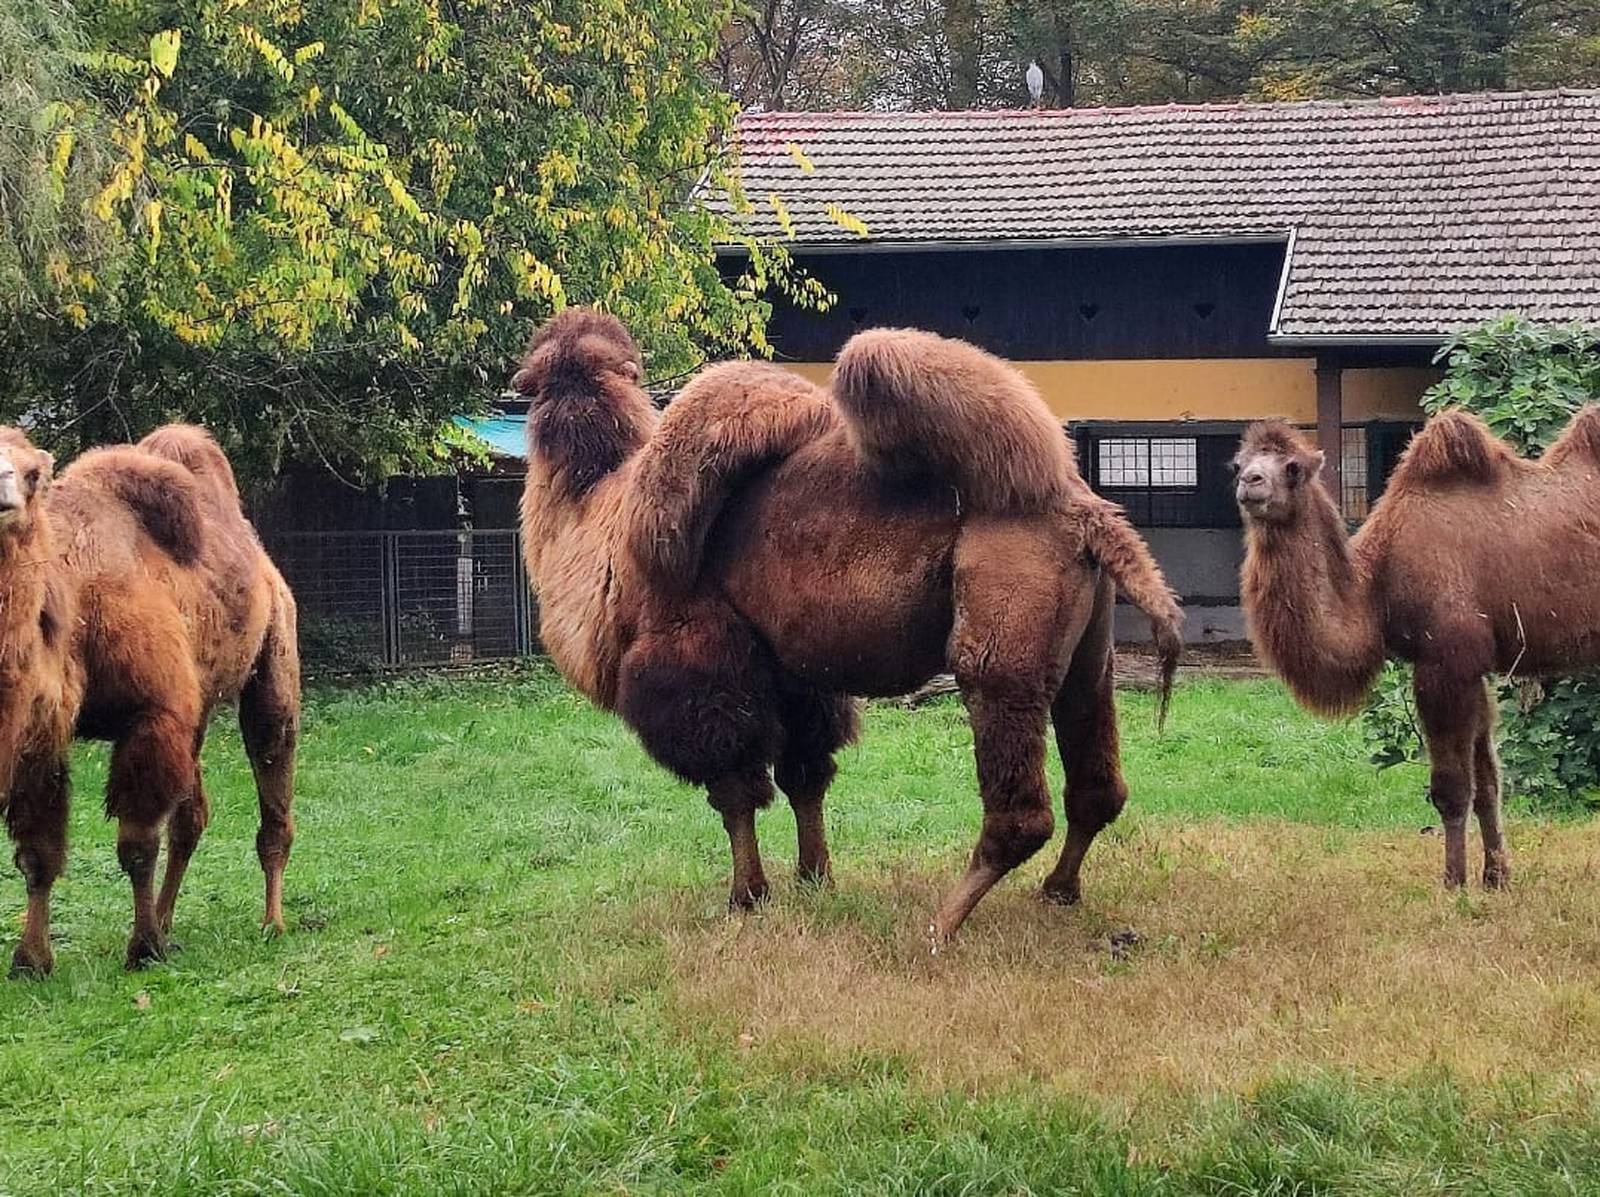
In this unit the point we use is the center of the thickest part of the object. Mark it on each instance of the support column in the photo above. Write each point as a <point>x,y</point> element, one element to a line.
<point>1330,420</point>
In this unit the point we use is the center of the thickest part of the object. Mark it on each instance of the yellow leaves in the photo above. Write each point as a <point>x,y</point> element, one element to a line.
<point>152,228</point>
<point>847,221</point>
<point>195,149</point>
<point>164,51</point>
<point>805,164</point>
<point>781,211</point>
<point>269,53</point>
<point>309,51</point>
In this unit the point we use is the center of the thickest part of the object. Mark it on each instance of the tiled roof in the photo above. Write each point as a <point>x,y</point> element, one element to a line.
<point>1410,217</point>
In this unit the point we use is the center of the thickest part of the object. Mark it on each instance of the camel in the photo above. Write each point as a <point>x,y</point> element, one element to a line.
<point>1475,561</point>
<point>134,598</point>
<point>730,576</point>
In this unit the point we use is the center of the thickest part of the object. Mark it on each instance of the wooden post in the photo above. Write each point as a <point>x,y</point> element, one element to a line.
<point>1330,421</point>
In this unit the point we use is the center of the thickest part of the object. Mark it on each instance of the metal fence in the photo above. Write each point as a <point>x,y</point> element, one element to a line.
<point>394,600</point>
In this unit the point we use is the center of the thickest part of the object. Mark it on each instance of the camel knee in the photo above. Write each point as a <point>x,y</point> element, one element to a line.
<point>40,865</point>
<point>137,856</point>
<point>274,839</point>
<point>1093,805</point>
<point>1011,837</point>
<point>1450,791</point>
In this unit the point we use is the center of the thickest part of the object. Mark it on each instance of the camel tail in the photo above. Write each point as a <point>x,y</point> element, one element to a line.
<point>195,450</point>
<point>921,406</point>
<point>1579,441</point>
<point>1123,554</point>
<point>729,423</point>
<point>1454,446</point>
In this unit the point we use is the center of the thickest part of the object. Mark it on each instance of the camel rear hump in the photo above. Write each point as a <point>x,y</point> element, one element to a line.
<point>198,452</point>
<point>1579,441</point>
<point>920,405</point>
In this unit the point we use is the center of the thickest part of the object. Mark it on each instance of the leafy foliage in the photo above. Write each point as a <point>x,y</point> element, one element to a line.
<point>341,217</point>
<point>1525,381</point>
<point>952,53</point>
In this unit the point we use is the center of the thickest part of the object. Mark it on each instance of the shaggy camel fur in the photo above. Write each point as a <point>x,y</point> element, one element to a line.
<point>1474,561</point>
<point>725,577</point>
<point>135,599</point>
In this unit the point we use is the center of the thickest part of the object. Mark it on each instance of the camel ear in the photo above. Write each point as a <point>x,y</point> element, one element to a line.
<point>1304,467</point>
<point>43,470</point>
<point>630,370</point>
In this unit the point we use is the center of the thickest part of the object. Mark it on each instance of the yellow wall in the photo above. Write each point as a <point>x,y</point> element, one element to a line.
<point>1217,389</point>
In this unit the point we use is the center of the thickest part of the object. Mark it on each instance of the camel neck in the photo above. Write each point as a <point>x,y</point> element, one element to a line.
<point>1309,607</point>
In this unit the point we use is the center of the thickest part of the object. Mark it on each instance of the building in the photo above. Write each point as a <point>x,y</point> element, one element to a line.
<point>1164,275</point>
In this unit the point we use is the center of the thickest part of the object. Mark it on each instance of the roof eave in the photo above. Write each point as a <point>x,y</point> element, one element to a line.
<point>973,244</point>
<point>1354,340</point>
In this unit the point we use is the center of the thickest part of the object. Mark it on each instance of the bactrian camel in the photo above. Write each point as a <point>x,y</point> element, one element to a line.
<point>727,575</point>
<point>1475,561</point>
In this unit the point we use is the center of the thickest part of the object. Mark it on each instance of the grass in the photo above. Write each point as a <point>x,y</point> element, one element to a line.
<point>509,970</point>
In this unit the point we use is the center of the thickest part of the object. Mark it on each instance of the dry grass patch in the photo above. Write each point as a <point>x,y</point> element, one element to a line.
<point>1262,950</point>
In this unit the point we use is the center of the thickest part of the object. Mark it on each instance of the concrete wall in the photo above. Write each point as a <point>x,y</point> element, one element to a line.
<point>1202,565</point>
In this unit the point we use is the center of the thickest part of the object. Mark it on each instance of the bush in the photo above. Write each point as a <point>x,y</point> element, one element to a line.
<point>1526,382</point>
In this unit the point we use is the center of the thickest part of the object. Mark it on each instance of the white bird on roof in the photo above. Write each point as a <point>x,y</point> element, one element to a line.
<point>1035,77</point>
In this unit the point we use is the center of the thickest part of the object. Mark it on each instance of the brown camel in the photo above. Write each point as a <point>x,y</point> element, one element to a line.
<point>1474,561</point>
<point>727,576</point>
<point>135,598</point>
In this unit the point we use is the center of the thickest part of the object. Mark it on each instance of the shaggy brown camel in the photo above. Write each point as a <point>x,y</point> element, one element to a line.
<point>726,576</point>
<point>1474,561</point>
<point>135,598</point>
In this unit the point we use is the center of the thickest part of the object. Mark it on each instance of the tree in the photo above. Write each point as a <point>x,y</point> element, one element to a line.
<point>346,214</point>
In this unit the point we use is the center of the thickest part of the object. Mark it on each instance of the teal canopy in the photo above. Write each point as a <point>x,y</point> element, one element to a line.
<point>506,436</point>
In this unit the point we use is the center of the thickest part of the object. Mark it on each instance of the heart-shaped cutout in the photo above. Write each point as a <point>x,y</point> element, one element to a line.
<point>1088,310</point>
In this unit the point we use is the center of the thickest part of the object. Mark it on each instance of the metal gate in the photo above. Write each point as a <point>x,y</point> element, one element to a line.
<point>398,600</point>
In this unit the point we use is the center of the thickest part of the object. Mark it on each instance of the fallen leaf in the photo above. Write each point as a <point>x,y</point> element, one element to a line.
<point>359,1035</point>
<point>141,1000</point>
<point>223,1073</point>
<point>381,951</point>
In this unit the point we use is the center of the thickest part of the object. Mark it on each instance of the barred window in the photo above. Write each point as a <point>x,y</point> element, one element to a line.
<point>1149,462</point>
<point>1356,497</point>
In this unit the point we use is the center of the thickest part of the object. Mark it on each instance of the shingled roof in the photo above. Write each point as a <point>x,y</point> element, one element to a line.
<point>1404,218</point>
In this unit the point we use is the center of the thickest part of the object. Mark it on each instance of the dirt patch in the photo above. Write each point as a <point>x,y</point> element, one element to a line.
<point>1137,669</point>
<point>1205,959</point>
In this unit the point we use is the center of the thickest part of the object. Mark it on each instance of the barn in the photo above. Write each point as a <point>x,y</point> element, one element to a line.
<point>1165,275</point>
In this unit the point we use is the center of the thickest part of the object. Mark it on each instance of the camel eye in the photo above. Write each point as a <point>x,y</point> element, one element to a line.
<point>1233,467</point>
<point>33,477</point>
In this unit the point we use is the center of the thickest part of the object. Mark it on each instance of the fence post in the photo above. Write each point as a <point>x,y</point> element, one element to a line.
<point>389,589</point>
<point>521,606</point>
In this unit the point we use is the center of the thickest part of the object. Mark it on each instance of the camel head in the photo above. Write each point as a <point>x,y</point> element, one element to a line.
<point>24,475</point>
<point>1275,469</point>
<point>586,410</point>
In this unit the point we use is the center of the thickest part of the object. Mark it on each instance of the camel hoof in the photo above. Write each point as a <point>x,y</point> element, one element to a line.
<point>938,938</point>
<point>29,966</point>
<point>1061,895</point>
<point>816,878</point>
<point>747,897</point>
<point>144,950</point>
<point>272,928</point>
<point>1497,877</point>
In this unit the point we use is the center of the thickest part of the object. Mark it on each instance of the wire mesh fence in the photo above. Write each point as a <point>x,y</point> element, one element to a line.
<point>371,601</point>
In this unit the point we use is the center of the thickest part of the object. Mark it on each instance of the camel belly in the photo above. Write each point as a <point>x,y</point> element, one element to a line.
<point>849,584</point>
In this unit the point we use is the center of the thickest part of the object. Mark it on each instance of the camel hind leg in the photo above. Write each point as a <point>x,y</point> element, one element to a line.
<point>1486,799</point>
<point>269,722</point>
<point>184,828</point>
<point>815,726</point>
<point>1085,718</point>
<point>1022,603</point>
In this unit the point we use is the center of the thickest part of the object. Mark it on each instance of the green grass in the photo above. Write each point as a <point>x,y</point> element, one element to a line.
<point>494,905</point>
